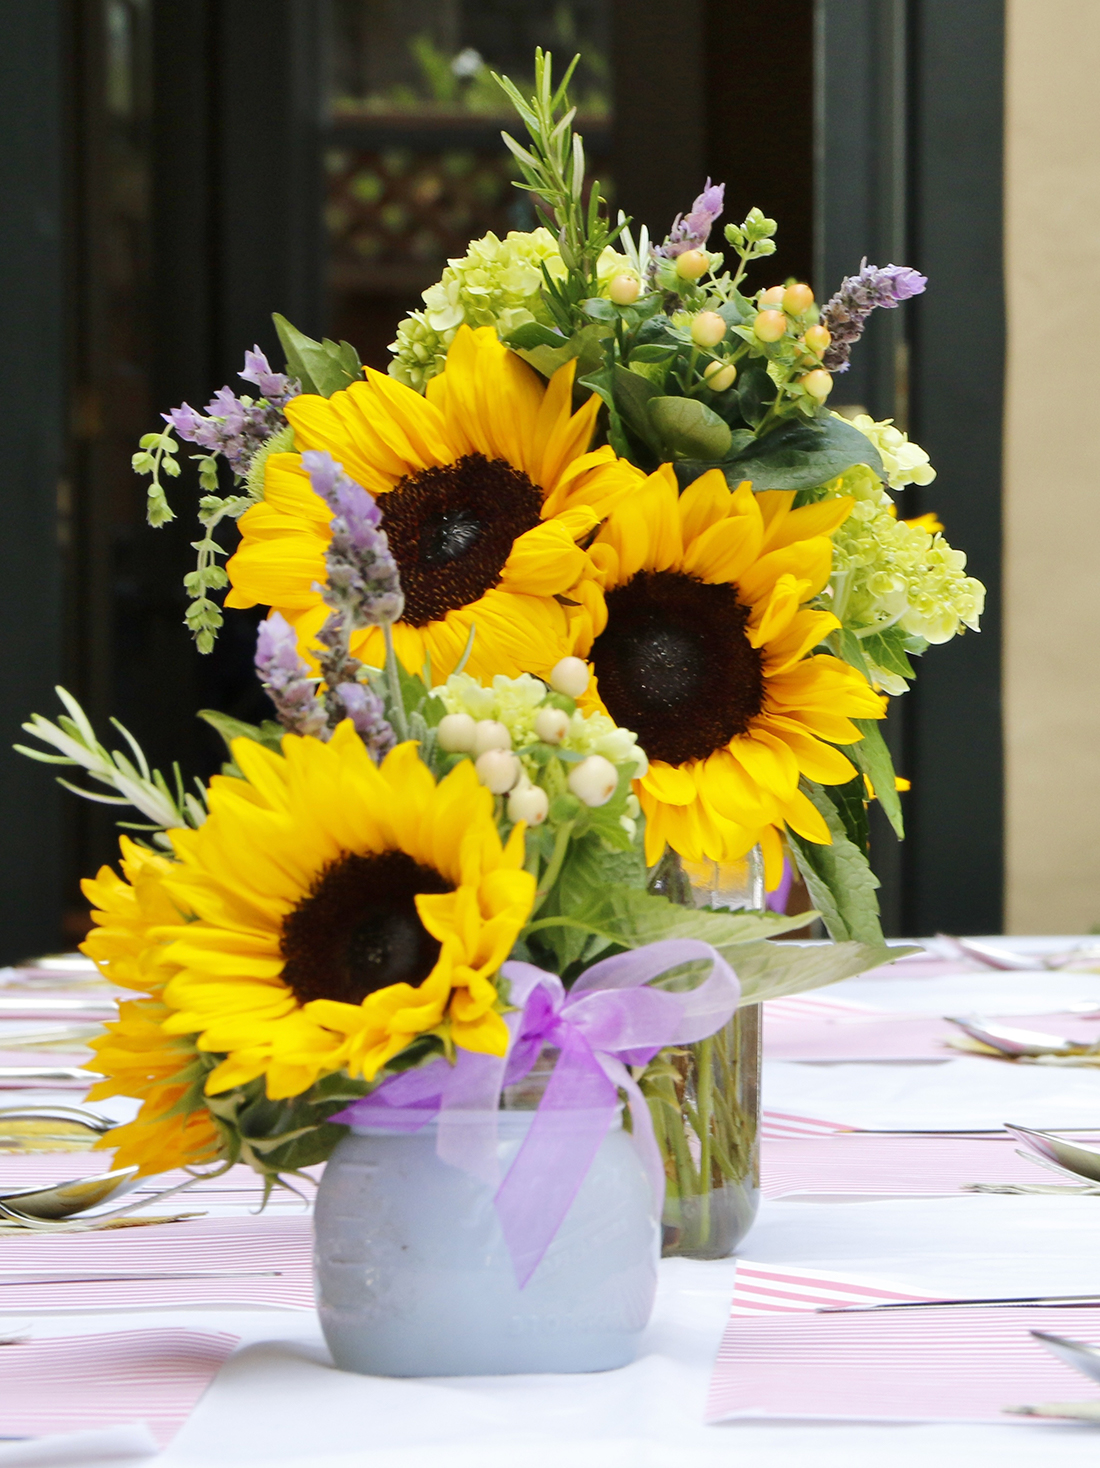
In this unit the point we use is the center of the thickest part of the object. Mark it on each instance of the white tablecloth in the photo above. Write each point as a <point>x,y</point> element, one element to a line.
<point>279,1401</point>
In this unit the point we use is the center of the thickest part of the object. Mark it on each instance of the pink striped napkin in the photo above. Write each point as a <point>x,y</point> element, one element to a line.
<point>955,1364</point>
<point>877,1164</point>
<point>64,1383</point>
<point>767,1288</point>
<point>262,1260</point>
<point>777,1124</point>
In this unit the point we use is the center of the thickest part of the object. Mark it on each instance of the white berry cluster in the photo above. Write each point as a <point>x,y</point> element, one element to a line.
<point>497,726</point>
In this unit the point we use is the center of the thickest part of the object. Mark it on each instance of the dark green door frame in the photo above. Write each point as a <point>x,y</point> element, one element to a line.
<point>33,487</point>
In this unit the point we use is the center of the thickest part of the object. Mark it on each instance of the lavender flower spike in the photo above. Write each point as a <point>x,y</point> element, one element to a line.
<point>691,231</point>
<point>276,387</point>
<point>846,313</point>
<point>287,679</point>
<point>364,709</point>
<point>363,584</point>
<point>237,427</point>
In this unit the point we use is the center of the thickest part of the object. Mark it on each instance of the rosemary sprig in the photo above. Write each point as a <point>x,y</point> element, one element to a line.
<point>553,170</point>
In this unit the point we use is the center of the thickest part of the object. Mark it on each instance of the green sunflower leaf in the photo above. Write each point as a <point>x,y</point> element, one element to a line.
<point>322,367</point>
<point>887,650</point>
<point>269,733</point>
<point>688,429</point>
<point>772,970</point>
<point>798,455</point>
<point>872,757</point>
<point>838,878</point>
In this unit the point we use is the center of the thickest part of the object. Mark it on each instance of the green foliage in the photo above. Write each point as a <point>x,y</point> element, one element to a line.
<point>872,758</point>
<point>752,239</point>
<point>276,1137</point>
<point>129,776</point>
<point>796,455</point>
<point>772,970</point>
<point>553,172</point>
<point>156,455</point>
<point>838,878</point>
<point>889,650</point>
<point>322,367</point>
<point>688,429</point>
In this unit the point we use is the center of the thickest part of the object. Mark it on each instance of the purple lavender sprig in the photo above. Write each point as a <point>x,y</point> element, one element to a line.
<point>845,315</point>
<point>238,427</point>
<point>363,588</point>
<point>286,677</point>
<point>692,230</point>
<point>364,708</point>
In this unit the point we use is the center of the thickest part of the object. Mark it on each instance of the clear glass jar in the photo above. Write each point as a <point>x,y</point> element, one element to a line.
<point>705,1098</point>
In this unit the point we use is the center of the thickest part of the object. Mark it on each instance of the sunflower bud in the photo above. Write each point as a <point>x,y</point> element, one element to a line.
<point>624,290</point>
<point>490,734</point>
<point>530,803</point>
<point>708,329</point>
<point>769,326</point>
<point>594,781</point>
<point>570,675</point>
<point>498,770</point>
<point>456,733</point>
<point>551,725</point>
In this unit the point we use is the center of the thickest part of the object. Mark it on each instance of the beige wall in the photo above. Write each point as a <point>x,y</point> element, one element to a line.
<point>1052,466</point>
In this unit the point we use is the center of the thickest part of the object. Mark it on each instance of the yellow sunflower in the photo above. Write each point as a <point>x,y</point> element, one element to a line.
<point>486,486</point>
<point>338,911</point>
<point>135,1055</point>
<point>700,642</point>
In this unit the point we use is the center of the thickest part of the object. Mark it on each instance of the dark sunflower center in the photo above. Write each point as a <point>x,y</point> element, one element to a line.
<point>451,530</point>
<point>675,666</point>
<point>358,929</point>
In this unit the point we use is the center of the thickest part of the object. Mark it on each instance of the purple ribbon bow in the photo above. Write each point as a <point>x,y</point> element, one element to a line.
<point>609,1020</point>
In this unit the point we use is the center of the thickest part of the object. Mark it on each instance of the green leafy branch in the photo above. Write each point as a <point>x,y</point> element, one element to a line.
<point>553,170</point>
<point>156,455</point>
<point>132,780</point>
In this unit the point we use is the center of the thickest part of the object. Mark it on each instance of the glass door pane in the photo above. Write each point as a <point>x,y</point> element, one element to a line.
<point>414,164</point>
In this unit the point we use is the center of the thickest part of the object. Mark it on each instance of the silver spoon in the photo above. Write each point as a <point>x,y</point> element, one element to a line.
<point>992,955</point>
<point>1084,1161</point>
<point>1011,1041</point>
<point>74,1196</point>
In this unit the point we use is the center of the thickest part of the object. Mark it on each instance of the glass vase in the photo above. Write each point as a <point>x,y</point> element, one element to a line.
<point>705,1098</point>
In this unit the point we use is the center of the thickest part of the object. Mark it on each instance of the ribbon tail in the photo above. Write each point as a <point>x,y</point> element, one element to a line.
<point>645,1138</point>
<point>574,1116</point>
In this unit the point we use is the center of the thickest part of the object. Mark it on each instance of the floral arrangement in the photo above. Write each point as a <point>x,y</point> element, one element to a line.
<point>591,585</point>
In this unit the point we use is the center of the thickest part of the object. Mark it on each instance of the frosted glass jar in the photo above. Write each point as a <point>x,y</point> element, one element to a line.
<point>414,1279</point>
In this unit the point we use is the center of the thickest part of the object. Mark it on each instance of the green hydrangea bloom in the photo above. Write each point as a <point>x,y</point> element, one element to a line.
<point>496,283</point>
<point>905,462</point>
<point>887,573</point>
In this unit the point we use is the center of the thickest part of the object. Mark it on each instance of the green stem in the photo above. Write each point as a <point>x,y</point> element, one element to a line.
<point>393,682</point>
<point>704,1098</point>
<point>553,866</point>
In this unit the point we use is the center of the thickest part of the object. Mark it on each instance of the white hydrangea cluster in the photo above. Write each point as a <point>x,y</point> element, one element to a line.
<point>904,462</point>
<point>496,283</point>
<point>514,702</point>
<point>887,573</point>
